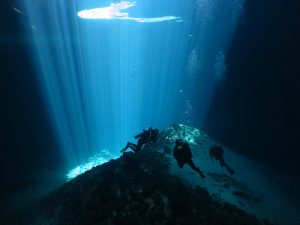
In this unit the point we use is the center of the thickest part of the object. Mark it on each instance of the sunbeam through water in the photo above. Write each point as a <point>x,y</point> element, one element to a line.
<point>108,69</point>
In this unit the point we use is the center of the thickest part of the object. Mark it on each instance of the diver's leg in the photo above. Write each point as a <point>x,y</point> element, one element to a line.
<point>125,148</point>
<point>129,145</point>
<point>192,165</point>
<point>230,170</point>
<point>132,146</point>
<point>180,163</point>
<point>138,146</point>
<point>222,162</point>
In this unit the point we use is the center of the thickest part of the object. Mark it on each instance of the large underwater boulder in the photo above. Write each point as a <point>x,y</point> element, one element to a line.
<point>137,189</point>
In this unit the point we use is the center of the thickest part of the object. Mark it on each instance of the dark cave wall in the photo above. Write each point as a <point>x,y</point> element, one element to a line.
<point>27,143</point>
<point>256,110</point>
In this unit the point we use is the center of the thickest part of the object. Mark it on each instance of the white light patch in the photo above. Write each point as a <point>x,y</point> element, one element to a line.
<point>113,12</point>
<point>93,161</point>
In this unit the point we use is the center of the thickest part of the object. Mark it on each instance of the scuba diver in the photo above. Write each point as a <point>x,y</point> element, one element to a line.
<point>183,155</point>
<point>145,137</point>
<point>217,152</point>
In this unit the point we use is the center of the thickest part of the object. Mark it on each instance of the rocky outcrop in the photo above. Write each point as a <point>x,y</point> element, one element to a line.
<point>135,189</point>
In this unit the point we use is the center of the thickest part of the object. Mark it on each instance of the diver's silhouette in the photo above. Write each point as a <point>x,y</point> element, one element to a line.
<point>183,155</point>
<point>217,152</point>
<point>145,137</point>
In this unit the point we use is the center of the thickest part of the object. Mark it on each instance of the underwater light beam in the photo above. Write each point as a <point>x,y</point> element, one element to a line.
<point>103,82</point>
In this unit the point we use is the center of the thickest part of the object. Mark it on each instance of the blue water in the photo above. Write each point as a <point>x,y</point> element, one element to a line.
<point>104,80</point>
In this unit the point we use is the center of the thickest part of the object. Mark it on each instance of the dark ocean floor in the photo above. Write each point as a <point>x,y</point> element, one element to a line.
<point>149,188</point>
<point>134,189</point>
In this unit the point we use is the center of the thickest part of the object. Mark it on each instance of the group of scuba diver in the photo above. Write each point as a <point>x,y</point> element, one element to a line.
<point>181,151</point>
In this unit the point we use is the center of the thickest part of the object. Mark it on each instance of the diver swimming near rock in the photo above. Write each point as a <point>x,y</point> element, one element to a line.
<point>217,152</point>
<point>147,136</point>
<point>183,155</point>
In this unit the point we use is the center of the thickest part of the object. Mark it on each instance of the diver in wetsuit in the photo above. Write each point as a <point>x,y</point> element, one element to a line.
<point>145,137</point>
<point>217,152</point>
<point>183,155</point>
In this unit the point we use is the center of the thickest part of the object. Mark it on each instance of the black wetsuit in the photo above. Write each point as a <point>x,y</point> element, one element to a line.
<point>146,136</point>
<point>217,152</point>
<point>183,155</point>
